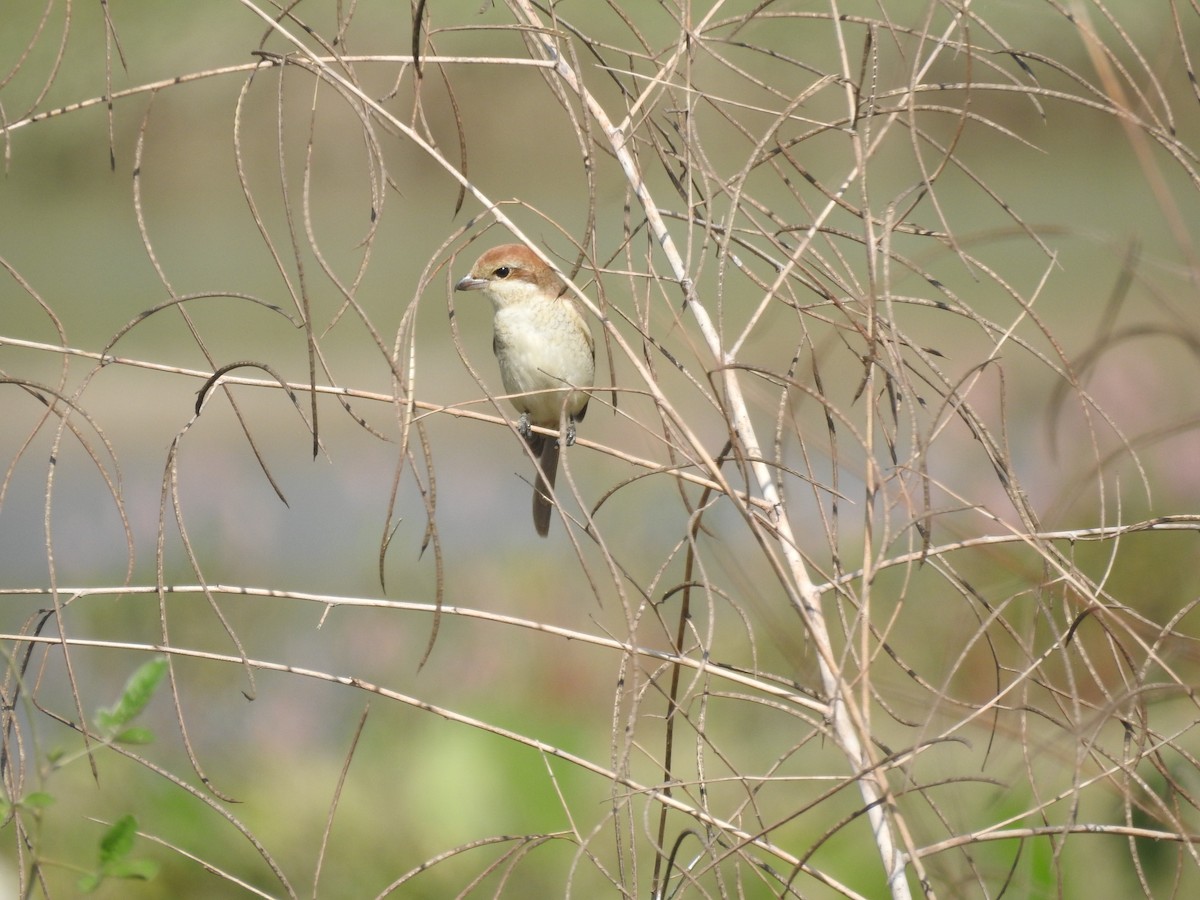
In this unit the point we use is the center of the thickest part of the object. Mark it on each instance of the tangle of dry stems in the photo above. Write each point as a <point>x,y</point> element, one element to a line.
<point>849,484</point>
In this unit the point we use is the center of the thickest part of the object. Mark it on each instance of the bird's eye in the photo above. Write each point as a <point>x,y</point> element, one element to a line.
<point>502,272</point>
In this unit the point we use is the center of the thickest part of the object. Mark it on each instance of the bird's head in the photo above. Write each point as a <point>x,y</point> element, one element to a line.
<point>511,273</point>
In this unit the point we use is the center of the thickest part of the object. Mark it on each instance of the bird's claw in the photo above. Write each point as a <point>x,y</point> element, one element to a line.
<point>526,430</point>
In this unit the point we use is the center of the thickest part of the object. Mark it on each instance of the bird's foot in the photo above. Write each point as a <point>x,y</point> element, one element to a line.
<point>570,436</point>
<point>523,428</point>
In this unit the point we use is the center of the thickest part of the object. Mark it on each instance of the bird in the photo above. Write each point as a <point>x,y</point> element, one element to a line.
<point>545,350</point>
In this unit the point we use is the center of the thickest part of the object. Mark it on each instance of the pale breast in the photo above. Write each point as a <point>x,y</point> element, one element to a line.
<point>542,346</point>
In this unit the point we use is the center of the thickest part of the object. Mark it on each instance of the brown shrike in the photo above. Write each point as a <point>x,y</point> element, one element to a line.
<point>546,353</point>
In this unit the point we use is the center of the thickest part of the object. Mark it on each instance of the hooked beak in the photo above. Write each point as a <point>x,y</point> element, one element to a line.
<point>467,283</point>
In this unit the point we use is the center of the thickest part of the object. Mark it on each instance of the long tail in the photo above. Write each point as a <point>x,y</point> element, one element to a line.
<point>547,456</point>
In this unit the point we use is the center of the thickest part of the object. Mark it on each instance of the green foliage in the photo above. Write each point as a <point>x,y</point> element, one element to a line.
<point>111,721</point>
<point>35,800</point>
<point>116,845</point>
<point>114,855</point>
<point>115,848</point>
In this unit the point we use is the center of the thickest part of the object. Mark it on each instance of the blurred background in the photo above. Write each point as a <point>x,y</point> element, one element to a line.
<point>1051,170</point>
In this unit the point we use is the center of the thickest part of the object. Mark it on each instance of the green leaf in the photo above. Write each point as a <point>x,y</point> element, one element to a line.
<point>115,847</point>
<point>135,869</point>
<point>37,799</point>
<point>117,841</point>
<point>89,883</point>
<point>135,735</point>
<point>138,691</point>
